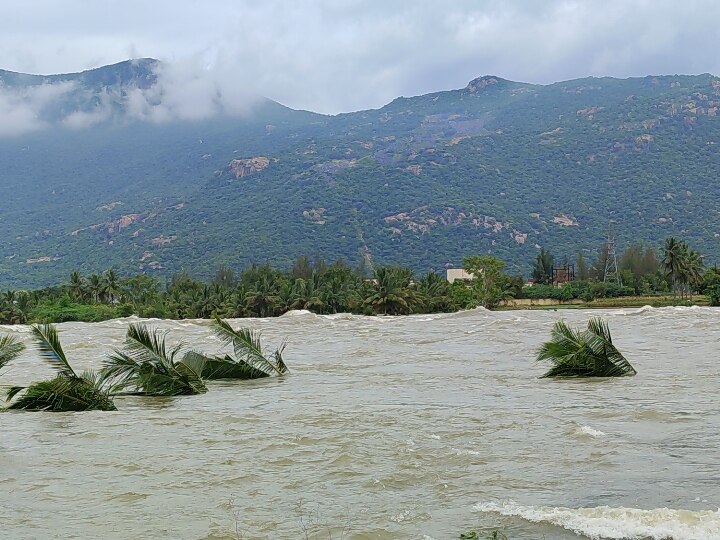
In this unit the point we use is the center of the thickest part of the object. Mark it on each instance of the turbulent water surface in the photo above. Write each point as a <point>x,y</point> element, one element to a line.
<point>408,427</point>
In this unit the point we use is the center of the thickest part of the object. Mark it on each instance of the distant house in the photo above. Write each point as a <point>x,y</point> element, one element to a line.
<point>454,274</point>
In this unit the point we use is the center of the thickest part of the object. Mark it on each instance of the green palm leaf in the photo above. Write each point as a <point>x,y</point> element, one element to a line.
<point>61,394</point>
<point>246,345</point>
<point>589,353</point>
<point>147,366</point>
<point>150,346</point>
<point>48,342</point>
<point>119,368</point>
<point>10,348</point>
<point>215,367</point>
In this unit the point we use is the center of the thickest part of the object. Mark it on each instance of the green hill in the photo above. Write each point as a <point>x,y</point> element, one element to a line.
<point>498,166</point>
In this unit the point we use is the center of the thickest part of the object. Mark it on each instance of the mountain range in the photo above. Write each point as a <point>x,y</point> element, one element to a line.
<point>107,168</point>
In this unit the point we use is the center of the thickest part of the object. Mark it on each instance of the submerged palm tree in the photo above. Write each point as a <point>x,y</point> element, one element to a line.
<point>10,348</point>
<point>148,367</point>
<point>249,361</point>
<point>588,353</point>
<point>68,391</point>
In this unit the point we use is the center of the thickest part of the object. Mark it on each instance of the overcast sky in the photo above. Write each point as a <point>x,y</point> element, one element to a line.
<point>342,55</point>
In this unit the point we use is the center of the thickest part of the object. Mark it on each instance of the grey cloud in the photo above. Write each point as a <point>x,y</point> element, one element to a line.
<point>333,56</point>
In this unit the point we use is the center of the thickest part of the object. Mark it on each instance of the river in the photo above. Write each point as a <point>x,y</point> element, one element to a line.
<point>387,428</point>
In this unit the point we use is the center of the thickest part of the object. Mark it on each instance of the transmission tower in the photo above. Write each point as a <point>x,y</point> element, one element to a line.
<point>611,266</point>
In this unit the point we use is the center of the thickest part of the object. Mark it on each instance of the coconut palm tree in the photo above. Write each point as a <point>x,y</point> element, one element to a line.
<point>392,292</point>
<point>578,353</point>
<point>68,391</point>
<point>694,270</point>
<point>111,285</point>
<point>248,362</point>
<point>149,367</point>
<point>10,348</point>
<point>674,262</point>
<point>77,286</point>
<point>96,285</point>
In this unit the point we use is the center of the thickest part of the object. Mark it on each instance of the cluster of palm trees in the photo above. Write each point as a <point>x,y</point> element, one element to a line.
<point>96,288</point>
<point>146,366</point>
<point>15,306</point>
<point>682,266</point>
<point>259,291</point>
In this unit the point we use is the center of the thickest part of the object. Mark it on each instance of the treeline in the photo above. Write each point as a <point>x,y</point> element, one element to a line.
<point>679,270</point>
<point>263,291</point>
<point>257,291</point>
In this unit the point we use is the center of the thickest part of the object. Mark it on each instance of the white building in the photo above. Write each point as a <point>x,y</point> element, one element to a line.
<point>458,273</point>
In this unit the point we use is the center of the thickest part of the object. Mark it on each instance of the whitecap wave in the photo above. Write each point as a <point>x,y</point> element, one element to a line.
<point>587,430</point>
<point>298,313</point>
<point>604,522</point>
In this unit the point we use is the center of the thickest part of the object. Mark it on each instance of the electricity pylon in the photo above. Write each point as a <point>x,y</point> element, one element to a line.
<point>611,266</point>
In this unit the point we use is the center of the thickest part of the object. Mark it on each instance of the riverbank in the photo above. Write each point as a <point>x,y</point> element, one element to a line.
<point>603,303</point>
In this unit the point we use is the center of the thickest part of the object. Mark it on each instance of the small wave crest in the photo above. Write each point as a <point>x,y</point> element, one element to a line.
<point>587,430</point>
<point>604,522</point>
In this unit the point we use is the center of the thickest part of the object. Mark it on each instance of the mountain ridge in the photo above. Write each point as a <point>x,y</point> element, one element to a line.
<point>497,166</point>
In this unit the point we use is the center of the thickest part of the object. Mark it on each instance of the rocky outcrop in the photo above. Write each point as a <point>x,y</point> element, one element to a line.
<point>423,219</point>
<point>480,83</point>
<point>565,221</point>
<point>41,260</point>
<point>245,167</point>
<point>109,206</point>
<point>162,240</point>
<point>315,215</point>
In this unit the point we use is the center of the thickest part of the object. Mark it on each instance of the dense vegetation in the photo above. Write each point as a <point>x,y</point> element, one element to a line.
<point>147,366</point>
<point>498,167</point>
<point>68,391</point>
<point>264,291</point>
<point>583,353</point>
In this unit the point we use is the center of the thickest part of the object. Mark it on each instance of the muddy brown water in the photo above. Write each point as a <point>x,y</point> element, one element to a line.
<point>387,427</point>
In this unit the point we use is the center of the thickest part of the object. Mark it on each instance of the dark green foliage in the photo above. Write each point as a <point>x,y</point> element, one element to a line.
<point>248,362</point>
<point>10,348</point>
<point>588,353</point>
<point>62,394</point>
<point>683,267</point>
<point>149,367</point>
<point>582,290</point>
<point>68,391</point>
<point>543,267</point>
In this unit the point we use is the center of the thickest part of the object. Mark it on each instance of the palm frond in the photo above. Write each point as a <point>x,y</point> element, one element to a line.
<point>149,346</point>
<point>182,382</point>
<point>13,391</point>
<point>118,369</point>
<point>246,344</point>
<point>61,394</point>
<point>147,366</point>
<point>216,367</point>
<point>588,353</point>
<point>48,342</point>
<point>10,348</point>
<point>279,362</point>
<point>196,361</point>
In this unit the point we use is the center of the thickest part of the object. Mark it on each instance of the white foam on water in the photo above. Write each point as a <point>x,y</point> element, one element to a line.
<point>587,430</point>
<point>465,452</point>
<point>604,522</point>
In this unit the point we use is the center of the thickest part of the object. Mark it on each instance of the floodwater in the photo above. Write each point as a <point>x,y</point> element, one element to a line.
<point>388,428</point>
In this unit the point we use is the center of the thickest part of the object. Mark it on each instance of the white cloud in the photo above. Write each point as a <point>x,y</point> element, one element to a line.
<point>341,55</point>
<point>21,110</point>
